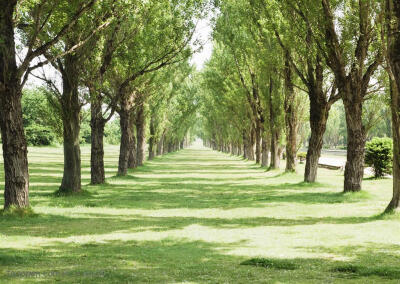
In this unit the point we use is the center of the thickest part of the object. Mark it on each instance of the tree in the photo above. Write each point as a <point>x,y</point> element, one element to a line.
<point>70,67</point>
<point>393,60</point>
<point>353,64</point>
<point>31,20</point>
<point>161,39</point>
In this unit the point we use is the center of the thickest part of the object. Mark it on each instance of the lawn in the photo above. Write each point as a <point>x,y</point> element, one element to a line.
<point>199,216</point>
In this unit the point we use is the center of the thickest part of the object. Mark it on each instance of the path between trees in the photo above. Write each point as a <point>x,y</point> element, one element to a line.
<point>195,216</point>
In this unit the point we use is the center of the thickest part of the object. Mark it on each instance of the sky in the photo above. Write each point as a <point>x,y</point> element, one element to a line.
<point>203,32</point>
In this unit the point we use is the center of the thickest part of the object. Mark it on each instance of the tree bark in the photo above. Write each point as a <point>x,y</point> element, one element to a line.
<point>265,151</point>
<point>275,155</point>
<point>160,145</point>
<point>395,105</point>
<point>393,25</point>
<point>140,130</point>
<point>258,131</point>
<point>356,138</point>
<point>290,120</point>
<point>16,190</point>
<point>132,158</point>
<point>97,124</point>
<point>127,140</point>
<point>319,111</point>
<point>152,139</point>
<point>252,140</point>
<point>71,109</point>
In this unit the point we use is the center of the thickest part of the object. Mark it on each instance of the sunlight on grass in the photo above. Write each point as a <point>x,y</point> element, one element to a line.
<point>196,216</point>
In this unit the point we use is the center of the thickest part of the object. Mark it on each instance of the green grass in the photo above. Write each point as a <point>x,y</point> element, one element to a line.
<point>198,216</point>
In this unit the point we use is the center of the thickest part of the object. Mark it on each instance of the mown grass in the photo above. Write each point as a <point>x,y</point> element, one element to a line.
<point>198,216</point>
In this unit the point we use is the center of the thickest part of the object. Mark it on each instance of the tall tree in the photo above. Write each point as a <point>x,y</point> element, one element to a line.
<point>80,40</point>
<point>353,69</point>
<point>31,18</point>
<point>393,60</point>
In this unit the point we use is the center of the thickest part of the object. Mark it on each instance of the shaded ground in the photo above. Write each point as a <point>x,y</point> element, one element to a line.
<point>199,216</point>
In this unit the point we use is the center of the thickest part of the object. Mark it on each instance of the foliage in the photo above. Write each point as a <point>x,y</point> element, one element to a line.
<point>85,133</point>
<point>38,135</point>
<point>301,156</point>
<point>42,126</point>
<point>112,133</point>
<point>379,155</point>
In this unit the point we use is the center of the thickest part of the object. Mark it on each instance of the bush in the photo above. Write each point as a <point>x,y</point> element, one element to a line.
<point>302,156</point>
<point>41,117</point>
<point>37,135</point>
<point>112,132</point>
<point>379,155</point>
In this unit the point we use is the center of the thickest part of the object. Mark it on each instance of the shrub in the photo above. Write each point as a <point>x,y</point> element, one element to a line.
<point>301,156</point>
<point>112,133</point>
<point>37,135</point>
<point>379,155</point>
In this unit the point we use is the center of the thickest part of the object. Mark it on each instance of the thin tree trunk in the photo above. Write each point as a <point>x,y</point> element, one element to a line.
<point>160,145</point>
<point>126,140</point>
<point>245,145</point>
<point>71,109</point>
<point>140,130</point>
<point>151,139</point>
<point>132,157</point>
<point>16,190</point>
<point>258,132</point>
<point>97,124</point>
<point>290,120</point>
<point>165,146</point>
<point>264,151</point>
<point>393,24</point>
<point>275,155</point>
<point>250,145</point>
<point>395,104</point>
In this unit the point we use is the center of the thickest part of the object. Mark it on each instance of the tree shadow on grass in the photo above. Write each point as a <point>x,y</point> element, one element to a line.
<point>172,260</point>
<point>93,221</point>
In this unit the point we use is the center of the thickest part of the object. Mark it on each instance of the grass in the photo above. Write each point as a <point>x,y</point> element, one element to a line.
<point>198,216</point>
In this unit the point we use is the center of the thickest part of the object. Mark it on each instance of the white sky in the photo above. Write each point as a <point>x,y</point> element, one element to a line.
<point>203,33</point>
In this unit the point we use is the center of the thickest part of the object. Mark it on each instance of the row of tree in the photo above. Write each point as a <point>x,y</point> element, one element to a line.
<point>270,55</point>
<point>124,57</point>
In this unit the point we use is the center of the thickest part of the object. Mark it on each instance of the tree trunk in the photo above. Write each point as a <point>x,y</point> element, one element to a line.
<point>318,118</point>
<point>264,151</point>
<point>258,132</point>
<point>127,141</point>
<point>395,105</point>
<point>16,190</point>
<point>356,138</point>
<point>71,109</point>
<point>275,155</point>
<point>140,130</point>
<point>132,158</point>
<point>245,145</point>
<point>151,139</point>
<point>250,145</point>
<point>290,120</point>
<point>160,145</point>
<point>165,146</point>
<point>97,124</point>
<point>393,12</point>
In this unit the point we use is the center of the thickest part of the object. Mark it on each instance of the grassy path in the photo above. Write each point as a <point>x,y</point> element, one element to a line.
<point>195,216</point>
